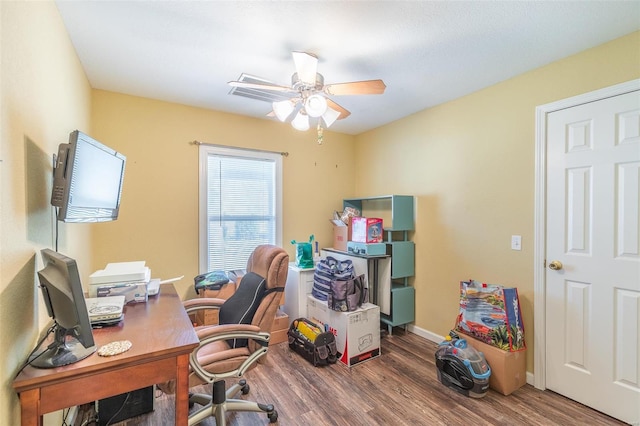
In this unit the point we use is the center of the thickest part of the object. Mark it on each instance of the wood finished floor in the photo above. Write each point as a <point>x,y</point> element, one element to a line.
<point>398,388</point>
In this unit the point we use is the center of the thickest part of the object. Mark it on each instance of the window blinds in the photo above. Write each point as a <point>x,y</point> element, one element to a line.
<point>241,208</point>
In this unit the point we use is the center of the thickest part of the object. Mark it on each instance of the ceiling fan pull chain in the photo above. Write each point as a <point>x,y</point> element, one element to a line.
<point>320,133</point>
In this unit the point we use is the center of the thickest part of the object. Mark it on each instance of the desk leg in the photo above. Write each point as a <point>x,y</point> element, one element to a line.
<point>375,281</point>
<point>182,390</point>
<point>30,408</point>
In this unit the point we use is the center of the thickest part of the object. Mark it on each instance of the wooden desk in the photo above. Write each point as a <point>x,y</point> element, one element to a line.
<point>162,338</point>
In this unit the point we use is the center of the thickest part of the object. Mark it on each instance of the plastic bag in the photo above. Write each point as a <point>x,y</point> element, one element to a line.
<point>491,313</point>
<point>304,254</point>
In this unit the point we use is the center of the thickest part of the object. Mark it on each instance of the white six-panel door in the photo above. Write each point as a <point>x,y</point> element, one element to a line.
<point>593,235</point>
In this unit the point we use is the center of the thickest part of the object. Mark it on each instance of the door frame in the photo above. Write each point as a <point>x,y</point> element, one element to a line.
<point>539,245</point>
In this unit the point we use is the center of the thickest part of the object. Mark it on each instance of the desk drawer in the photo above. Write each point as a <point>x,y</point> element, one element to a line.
<point>101,385</point>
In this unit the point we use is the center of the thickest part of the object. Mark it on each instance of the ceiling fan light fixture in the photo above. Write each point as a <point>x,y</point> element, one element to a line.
<point>283,109</point>
<point>330,116</point>
<point>307,99</point>
<point>315,105</point>
<point>301,122</point>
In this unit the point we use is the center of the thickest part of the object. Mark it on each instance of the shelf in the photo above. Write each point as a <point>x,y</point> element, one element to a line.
<point>364,256</point>
<point>401,210</point>
<point>398,247</point>
<point>402,307</point>
<point>403,254</point>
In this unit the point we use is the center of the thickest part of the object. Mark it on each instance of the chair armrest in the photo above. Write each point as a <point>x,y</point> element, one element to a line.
<point>193,305</point>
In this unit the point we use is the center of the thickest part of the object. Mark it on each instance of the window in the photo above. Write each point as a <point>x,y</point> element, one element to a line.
<point>240,205</point>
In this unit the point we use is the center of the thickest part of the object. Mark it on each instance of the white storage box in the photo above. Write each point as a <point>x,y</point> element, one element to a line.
<point>357,332</point>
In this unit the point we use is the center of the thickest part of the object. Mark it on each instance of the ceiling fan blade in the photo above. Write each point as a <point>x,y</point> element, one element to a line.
<point>306,67</point>
<point>366,87</point>
<point>265,86</point>
<point>343,112</point>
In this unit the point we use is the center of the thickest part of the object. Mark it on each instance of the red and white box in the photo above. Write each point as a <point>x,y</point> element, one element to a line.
<point>366,230</point>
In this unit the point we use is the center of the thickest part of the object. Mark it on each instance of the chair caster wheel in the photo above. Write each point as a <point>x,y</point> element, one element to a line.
<point>273,416</point>
<point>245,389</point>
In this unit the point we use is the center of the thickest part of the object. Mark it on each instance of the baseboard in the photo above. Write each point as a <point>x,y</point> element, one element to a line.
<point>433,337</point>
<point>530,379</point>
<point>436,338</point>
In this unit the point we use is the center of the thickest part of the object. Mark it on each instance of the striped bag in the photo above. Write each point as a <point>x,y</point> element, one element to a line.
<point>327,270</point>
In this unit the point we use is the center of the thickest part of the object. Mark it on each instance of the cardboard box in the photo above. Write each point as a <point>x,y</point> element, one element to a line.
<point>508,369</point>
<point>279,328</point>
<point>366,230</point>
<point>341,234</point>
<point>210,316</point>
<point>372,249</point>
<point>357,332</point>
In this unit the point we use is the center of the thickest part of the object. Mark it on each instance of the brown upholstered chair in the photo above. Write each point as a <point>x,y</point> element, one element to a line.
<point>215,359</point>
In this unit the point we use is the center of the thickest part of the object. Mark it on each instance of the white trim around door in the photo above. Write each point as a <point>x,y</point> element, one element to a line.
<point>540,212</point>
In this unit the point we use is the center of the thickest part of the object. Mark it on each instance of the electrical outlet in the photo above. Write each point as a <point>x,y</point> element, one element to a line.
<point>516,242</point>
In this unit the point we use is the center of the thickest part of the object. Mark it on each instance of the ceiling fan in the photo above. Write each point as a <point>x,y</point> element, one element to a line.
<point>307,96</point>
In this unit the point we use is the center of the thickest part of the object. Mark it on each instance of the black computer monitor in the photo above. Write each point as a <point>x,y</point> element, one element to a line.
<point>64,299</point>
<point>87,180</point>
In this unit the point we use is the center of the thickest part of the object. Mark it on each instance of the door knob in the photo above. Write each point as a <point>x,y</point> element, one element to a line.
<point>555,265</point>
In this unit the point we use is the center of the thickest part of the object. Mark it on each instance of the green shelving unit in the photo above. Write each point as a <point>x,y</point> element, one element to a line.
<point>401,250</point>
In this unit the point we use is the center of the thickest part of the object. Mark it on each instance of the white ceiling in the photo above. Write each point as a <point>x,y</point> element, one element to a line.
<point>427,52</point>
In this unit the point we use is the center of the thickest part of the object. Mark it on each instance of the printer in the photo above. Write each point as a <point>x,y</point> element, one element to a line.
<point>129,279</point>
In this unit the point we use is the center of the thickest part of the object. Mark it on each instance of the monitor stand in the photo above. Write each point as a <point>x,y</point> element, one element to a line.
<point>64,350</point>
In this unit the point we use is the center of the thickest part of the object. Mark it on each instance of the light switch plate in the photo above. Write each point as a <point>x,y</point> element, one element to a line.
<point>516,242</point>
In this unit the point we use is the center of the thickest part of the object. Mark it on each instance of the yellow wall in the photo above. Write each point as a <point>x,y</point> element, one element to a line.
<point>44,95</point>
<point>470,163</point>
<point>158,219</point>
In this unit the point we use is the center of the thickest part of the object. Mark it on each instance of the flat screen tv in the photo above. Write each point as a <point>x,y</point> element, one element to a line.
<point>87,180</point>
<point>64,298</point>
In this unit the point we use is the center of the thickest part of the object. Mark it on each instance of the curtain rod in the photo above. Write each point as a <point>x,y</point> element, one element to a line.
<point>284,154</point>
